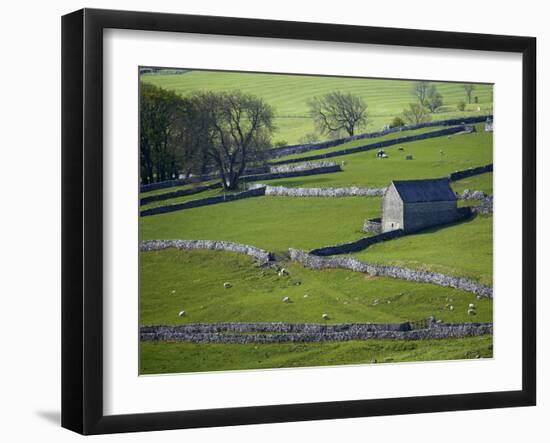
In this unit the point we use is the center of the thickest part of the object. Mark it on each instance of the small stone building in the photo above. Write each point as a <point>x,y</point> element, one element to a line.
<point>413,205</point>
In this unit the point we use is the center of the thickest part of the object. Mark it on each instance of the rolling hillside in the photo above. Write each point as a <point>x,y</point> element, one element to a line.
<point>288,94</point>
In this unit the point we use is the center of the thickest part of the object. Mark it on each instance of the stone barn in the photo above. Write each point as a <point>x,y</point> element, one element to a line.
<point>413,205</point>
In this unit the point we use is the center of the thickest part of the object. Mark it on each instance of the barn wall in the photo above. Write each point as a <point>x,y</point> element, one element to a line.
<point>424,215</point>
<point>392,210</point>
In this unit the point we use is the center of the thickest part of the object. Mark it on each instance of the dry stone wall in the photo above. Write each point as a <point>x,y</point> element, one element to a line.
<point>320,192</point>
<point>299,173</point>
<point>180,193</point>
<point>318,262</point>
<point>203,202</point>
<point>175,182</point>
<point>378,145</point>
<point>283,151</point>
<point>284,332</point>
<point>457,175</point>
<point>373,225</point>
<point>261,256</point>
<point>359,245</point>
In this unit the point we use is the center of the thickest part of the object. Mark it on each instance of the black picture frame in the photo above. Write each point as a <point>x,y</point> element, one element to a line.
<point>82,218</point>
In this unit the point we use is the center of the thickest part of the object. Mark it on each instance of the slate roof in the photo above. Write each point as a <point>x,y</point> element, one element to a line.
<point>431,190</point>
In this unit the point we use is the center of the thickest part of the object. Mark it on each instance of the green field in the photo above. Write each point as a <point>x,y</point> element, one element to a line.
<point>288,94</point>
<point>464,249</point>
<point>432,158</point>
<point>360,142</point>
<point>174,280</point>
<point>192,280</point>
<point>167,357</point>
<point>482,182</point>
<point>270,223</point>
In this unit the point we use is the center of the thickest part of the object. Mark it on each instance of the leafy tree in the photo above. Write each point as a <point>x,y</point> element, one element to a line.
<point>420,91</point>
<point>397,122</point>
<point>415,114</point>
<point>235,127</point>
<point>158,158</point>
<point>469,89</point>
<point>433,100</point>
<point>338,111</point>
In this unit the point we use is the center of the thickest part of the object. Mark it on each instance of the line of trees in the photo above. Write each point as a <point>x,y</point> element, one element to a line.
<point>227,131</point>
<point>190,135</point>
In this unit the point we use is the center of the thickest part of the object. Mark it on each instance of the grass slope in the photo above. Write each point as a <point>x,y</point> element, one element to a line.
<point>464,249</point>
<point>173,280</point>
<point>360,142</point>
<point>364,169</point>
<point>482,182</point>
<point>271,223</point>
<point>170,357</point>
<point>288,94</point>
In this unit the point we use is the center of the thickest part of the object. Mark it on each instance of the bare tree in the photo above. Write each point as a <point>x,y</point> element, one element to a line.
<point>338,111</point>
<point>469,89</point>
<point>237,126</point>
<point>433,100</point>
<point>420,91</point>
<point>415,114</point>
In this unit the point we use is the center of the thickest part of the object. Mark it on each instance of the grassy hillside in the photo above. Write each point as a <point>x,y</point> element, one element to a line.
<point>172,280</point>
<point>271,223</point>
<point>464,249</point>
<point>167,357</point>
<point>432,158</point>
<point>288,94</point>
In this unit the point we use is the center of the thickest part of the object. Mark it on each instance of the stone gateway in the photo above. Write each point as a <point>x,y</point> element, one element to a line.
<point>412,205</point>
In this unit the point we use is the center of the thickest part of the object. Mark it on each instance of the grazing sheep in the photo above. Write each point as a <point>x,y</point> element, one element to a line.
<point>471,306</point>
<point>181,314</point>
<point>451,308</point>
<point>325,316</point>
<point>282,272</point>
<point>343,163</point>
<point>286,299</point>
<point>306,295</point>
<point>227,285</point>
<point>471,312</point>
<point>173,291</point>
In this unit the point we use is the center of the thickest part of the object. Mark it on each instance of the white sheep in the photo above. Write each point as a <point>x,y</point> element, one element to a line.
<point>306,295</point>
<point>181,314</point>
<point>286,299</point>
<point>325,316</point>
<point>227,285</point>
<point>282,272</point>
<point>451,308</point>
<point>471,306</point>
<point>471,312</point>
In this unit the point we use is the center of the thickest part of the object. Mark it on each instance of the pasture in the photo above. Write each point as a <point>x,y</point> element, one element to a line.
<point>462,249</point>
<point>167,357</point>
<point>172,280</point>
<point>432,158</point>
<point>270,223</point>
<point>289,94</point>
